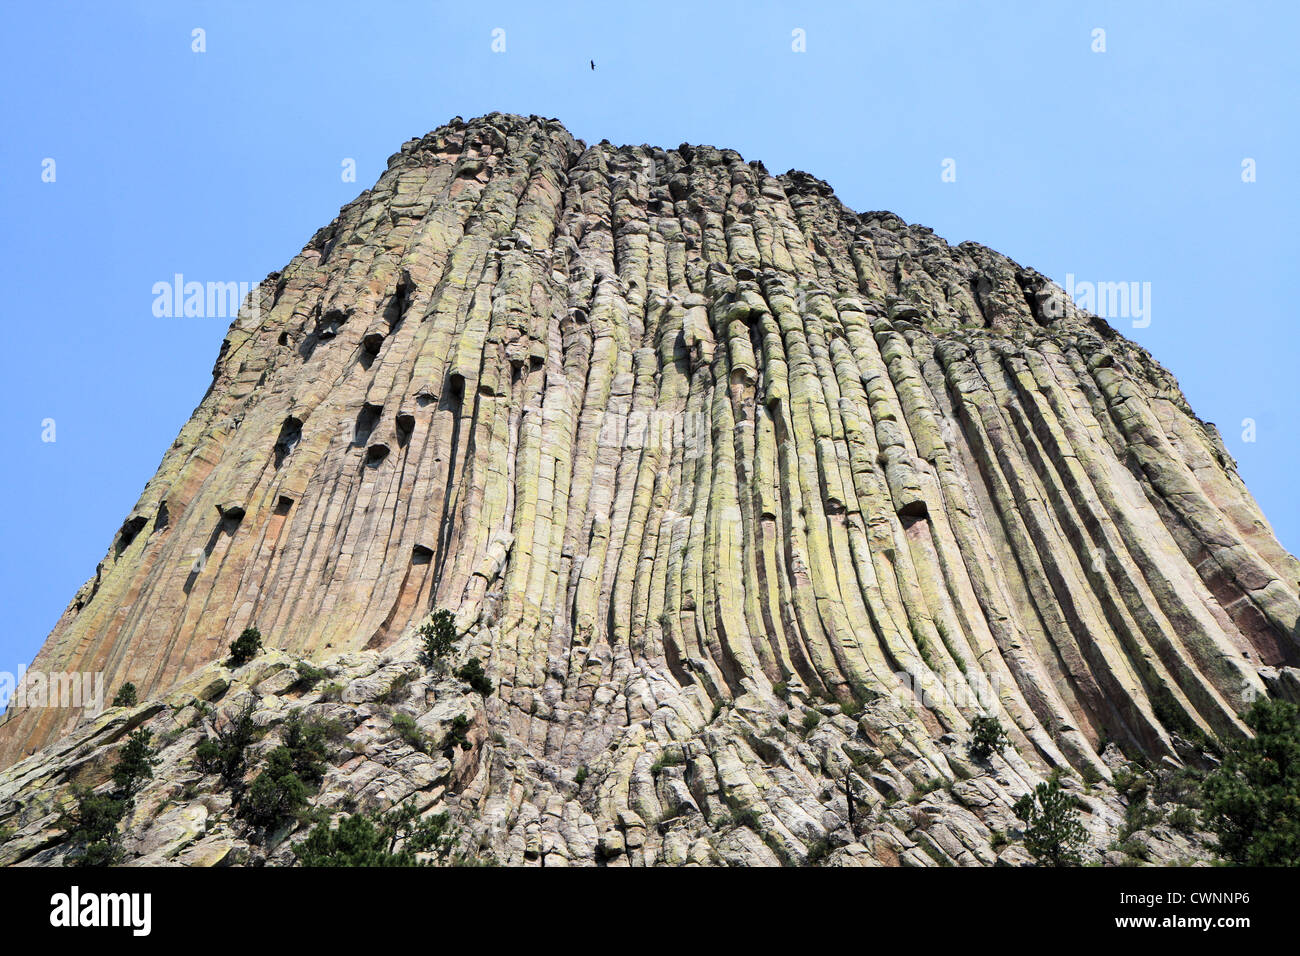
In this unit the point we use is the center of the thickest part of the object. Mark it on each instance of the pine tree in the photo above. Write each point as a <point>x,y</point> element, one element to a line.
<point>1054,835</point>
<point>1252,800</point>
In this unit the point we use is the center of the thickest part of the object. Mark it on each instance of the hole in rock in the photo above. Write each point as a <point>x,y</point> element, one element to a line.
<point>287,441</point>
<point>396,306</point>
<point>231,515</point>
<point>367,419</point>
<point>130,528</point>
<point>914,510</point>
<point>330,323</point>
<point>405,426</point>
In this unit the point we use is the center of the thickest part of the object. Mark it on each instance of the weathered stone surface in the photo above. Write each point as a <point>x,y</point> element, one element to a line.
<point>698,457</point>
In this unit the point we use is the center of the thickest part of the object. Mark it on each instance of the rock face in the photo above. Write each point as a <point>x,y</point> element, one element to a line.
<point>702,461</point>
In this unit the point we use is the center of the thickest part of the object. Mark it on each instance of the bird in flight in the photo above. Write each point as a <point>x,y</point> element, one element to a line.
<point>593,64</point>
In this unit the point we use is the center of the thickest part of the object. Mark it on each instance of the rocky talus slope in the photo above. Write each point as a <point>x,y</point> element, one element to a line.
<point>702,461</point>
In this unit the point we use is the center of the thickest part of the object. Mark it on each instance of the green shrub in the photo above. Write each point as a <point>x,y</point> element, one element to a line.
<point>1122,779</point>
<point>395,838</point>
<point>1251,802</point>
<point>224,754</point>
<point>741,818</point>
<point>405,726</point>
<point>669,758</point>
<point>950,645</point>
<point>987,737</point>
<point>90,826</point>
<point>472,674</point>
<point>292,771</point>
<point>397,690</point>
<point>1183,819</point>
<point>437,638</point>
<point>208,756</point>
<point>1181,785</point>
<point>126,696</point>
<point>748,817</point>
<point>245,647</point>
<point>1134,848</point>
<point>676,813</point>
<point>459,735</point>
<point>135,763</point>
<point>922,644</point>
<point>277,795</point>
<point>1053,835</point>
<point>1131,782</point>
<point>309,676</point>
<point>818,850</point>
<point>202,711</point>
<point>307,740</point>
<point>810,721</point>
<point>1138,815</point>
<point>581,776</point>
<point>1175,719</point>
<point>925,789</point>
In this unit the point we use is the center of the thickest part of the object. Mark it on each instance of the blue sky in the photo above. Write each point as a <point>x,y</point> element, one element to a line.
<point>1123,165</point>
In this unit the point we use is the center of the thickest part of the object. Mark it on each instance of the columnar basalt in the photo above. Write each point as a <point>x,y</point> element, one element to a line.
<point>692,451</point>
